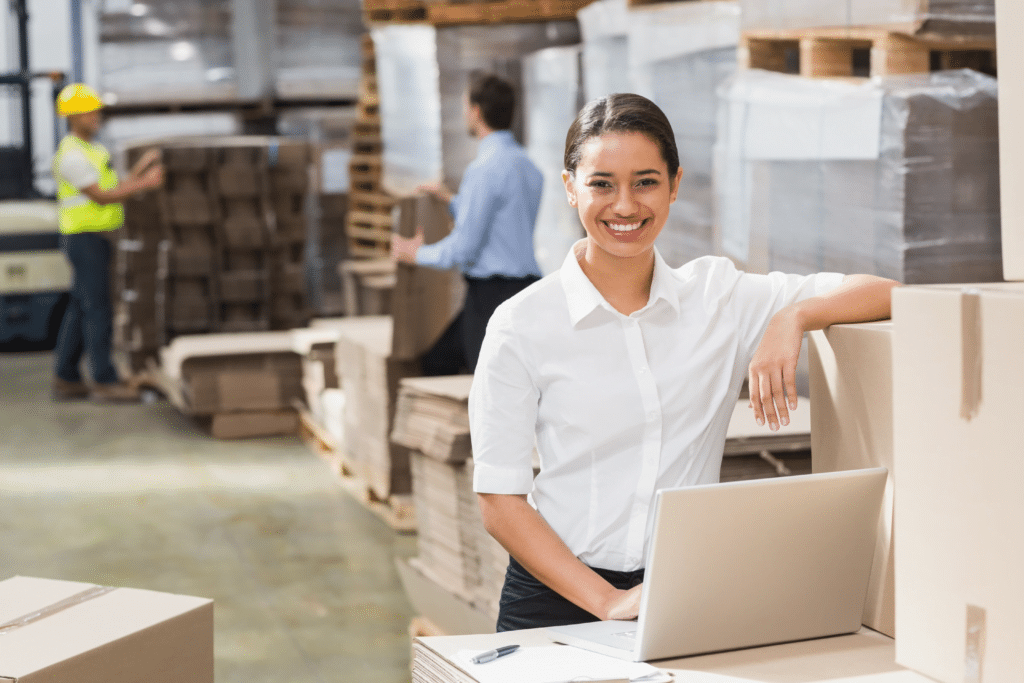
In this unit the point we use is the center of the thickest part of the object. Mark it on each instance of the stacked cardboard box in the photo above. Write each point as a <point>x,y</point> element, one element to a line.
<point>289,189</point>
<point>315,345</point>
<point>69,631</point>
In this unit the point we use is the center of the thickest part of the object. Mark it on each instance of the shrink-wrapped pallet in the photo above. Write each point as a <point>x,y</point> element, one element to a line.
<point>679,55</point>
<point>552,98</point>
<point>948,17</point>
<point>422,76</point>
<point>318,48</point>
<point>605,28</point>
<point>896,177</point>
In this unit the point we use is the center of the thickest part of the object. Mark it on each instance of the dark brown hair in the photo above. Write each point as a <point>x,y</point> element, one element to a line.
<point>621,113</point>
<point>496,98</point>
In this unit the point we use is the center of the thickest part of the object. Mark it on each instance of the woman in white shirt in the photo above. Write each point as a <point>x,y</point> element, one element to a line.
<point>625,372</point>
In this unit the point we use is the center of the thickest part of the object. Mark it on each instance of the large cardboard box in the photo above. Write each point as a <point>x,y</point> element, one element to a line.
<point>62,631</point>
<point>1010,15</point>
<point>851,428</point>
<point>958,369</point>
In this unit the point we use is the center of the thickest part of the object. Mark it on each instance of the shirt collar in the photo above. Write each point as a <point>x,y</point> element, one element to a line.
<point>583,298</point>
<point>495,140</point>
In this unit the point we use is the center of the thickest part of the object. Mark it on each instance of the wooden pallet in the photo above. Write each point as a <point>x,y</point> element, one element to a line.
<point>398,511</point>
<point>861,52</point>
<point>502,11</point>
<point>394,11</point>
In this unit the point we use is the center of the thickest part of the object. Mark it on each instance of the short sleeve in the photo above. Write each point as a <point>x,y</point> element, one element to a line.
<point>76,169</point>
<point>502,412</point>
<point>757,298</point>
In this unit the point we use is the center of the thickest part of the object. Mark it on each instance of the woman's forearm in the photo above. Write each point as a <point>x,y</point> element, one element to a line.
<point>861,298</point>
<point>535,545</point>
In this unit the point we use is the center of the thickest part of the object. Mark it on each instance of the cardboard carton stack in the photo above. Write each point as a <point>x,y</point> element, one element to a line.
<point>241,384</point>
<point>220,247</point>
<point>455,551</point>
<point>289,189</point>
<point>185,276</point>
<point>136,335</point>
<point>315,345</point>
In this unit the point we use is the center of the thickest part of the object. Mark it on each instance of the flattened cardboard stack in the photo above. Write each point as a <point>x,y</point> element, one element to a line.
<point>370,377</point>
<point>219,248</point>
<point>455,550</point>
<point>316,347</point>
<point>242,384</point>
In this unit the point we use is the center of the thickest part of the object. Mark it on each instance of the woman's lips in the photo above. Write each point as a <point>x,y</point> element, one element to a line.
<point>626,232</point>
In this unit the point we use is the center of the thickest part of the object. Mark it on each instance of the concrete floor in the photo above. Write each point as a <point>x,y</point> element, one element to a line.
<point>302,576</point>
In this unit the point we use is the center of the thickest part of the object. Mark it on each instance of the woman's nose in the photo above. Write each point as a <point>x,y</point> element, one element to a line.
<point>625,203</point>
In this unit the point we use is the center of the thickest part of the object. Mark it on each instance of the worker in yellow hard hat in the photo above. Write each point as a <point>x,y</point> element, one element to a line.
<point>89,195</point>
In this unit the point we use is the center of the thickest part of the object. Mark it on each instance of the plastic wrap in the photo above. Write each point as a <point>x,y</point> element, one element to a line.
<point>679,55</point>
<point>931,16</point>
<point>905,185</point>
<point>553,95</point>
<point>318,47</point>
<point>168,50</point>
<point>605,28</point>
<point>422,74</point>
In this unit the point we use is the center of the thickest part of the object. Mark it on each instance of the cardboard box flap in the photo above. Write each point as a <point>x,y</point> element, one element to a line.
<point>84,627</point>
<point>304,339</point>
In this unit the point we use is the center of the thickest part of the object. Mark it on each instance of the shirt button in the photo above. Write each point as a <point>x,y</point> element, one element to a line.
<point>643,370</point>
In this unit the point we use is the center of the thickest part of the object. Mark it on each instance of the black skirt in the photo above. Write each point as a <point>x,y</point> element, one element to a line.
<point>528,603</point>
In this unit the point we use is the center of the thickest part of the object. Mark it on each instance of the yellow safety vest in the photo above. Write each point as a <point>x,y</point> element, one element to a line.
<point>78,213</point>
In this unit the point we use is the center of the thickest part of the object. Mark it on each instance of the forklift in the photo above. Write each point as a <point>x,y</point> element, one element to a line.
<point>35,276</point>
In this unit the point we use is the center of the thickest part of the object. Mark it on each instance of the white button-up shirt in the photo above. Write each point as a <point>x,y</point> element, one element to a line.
<point>618,406</point>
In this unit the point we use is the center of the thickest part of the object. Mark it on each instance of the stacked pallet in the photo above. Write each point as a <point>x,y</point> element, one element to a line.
<point>369,217</point>
<point>896,176</point>
<point>455,551</point>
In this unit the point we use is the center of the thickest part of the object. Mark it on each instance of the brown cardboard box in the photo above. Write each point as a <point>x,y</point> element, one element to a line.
<point>424,301</point>
<point>1011,134</point>
<point>851,428</point>
<point>958,369</point>
<point>60,631</point>
<point>252,382</point>
<point>185,159</point>
<point>239,181</point>
<point>254,424</point>
<point>243,285</point>
<point>244,224</point>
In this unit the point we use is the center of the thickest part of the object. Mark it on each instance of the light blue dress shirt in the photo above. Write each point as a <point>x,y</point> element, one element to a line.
<point>495,214</point>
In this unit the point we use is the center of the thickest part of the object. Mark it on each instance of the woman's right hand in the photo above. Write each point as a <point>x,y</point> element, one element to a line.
<point>624,605</point>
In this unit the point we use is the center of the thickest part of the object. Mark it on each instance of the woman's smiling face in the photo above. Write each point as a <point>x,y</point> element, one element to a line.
<point>622,191</point>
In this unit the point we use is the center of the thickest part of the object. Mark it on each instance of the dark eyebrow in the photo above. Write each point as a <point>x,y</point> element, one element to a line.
<point>605,174</point>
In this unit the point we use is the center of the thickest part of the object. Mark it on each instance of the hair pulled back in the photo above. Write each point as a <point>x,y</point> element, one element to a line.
<point>621,113</point>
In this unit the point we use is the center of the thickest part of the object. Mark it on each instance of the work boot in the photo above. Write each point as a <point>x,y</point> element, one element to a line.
<point>64,390</point>
<point>115,392</point>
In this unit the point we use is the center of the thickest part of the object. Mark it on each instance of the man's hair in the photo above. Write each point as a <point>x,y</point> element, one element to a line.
<point>496,98</point>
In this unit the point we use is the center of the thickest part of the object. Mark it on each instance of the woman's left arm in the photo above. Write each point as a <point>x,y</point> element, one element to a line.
<point>772,376</point>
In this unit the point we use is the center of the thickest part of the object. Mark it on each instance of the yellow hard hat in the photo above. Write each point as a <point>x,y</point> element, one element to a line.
<point>77,98</point>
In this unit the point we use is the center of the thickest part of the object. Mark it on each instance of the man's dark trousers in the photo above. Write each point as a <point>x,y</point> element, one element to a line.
<point>458,348</point>
<point>87,321</point>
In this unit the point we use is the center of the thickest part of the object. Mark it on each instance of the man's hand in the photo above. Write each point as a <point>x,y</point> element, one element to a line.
<point>148,158</point>
<point>772,374</point>
<point>624,605</point>
<point>403,249</point>
<point>438,190</point>
<point>152,177</point>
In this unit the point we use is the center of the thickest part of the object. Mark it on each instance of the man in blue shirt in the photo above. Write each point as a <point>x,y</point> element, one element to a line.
<point>495,213</point>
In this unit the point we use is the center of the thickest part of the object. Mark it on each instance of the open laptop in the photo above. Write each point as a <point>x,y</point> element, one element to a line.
<point>747,564</point>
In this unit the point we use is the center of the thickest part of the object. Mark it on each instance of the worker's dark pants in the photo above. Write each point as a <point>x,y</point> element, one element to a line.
<point>88,318</point>
<point>528,603</point>
<point>458,348</point>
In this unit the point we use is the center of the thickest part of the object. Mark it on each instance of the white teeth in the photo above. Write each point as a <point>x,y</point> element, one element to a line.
<point>620,227</point>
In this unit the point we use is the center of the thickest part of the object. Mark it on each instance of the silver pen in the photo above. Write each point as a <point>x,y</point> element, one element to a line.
<point>491,655</point>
